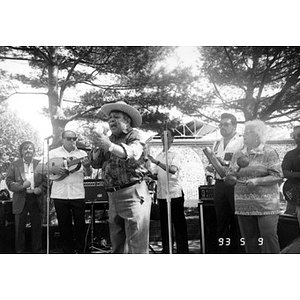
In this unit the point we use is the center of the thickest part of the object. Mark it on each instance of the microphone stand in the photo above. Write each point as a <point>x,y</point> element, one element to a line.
<point>48,198</point>
<point>168,193</point>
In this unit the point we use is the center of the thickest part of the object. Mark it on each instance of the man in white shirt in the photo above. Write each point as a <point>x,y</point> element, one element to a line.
<point>68,194</point>
<point>227,226</point>
<point>176,195</point>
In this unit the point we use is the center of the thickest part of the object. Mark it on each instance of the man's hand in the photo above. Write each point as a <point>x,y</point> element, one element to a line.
<point>210,169</point>
<point>103,141</point>
<point>86,162</point>
<point>37,191</point>
<point>26,184</point>
<point>223,162</point>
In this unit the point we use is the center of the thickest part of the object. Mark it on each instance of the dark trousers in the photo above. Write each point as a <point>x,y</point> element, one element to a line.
<point>36,219</point>
<point>179,222</point>
<point>228,232</point>
<point>67,211</point>
<point>260,233</point>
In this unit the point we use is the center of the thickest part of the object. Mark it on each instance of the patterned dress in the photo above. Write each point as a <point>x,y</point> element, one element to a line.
<point>257,200</point>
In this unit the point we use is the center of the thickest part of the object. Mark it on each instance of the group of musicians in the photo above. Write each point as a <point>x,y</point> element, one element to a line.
<point>122,158</point>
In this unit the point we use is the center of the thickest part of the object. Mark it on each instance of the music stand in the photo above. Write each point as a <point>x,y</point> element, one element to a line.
<point>92,246</point>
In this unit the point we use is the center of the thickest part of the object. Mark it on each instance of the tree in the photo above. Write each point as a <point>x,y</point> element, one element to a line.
<point>14,131</point>
<point>260,82</point>
<point>111,73</point>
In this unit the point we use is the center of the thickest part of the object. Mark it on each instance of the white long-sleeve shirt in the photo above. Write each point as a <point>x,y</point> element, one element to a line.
<point>174,179</point>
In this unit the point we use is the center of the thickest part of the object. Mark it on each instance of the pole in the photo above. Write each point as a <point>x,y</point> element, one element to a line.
<point>168,192</point>
<point>48,199</point>
<point>202,228</point>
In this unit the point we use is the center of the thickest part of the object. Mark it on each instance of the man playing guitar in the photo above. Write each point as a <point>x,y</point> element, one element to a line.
<point>68,191</point>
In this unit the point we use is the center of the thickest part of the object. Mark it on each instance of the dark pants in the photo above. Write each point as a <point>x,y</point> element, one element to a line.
<point>67,211</point>
<point>228,232</point>
<point>179,222</point>
<point>260,233</point>
<point>36,219</point>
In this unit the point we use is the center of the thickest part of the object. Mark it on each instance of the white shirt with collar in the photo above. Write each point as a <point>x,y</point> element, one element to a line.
<point>236,143</point>
<point>174,179</point>
<point>29,173</point>
<point>70,187</point>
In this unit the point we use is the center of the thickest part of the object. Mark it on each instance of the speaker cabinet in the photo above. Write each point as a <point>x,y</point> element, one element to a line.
<point>94,190</point>
<point>207,219</point>
<point>287,230</point>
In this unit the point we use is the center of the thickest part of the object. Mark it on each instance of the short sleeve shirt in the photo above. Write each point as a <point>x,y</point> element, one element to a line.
<point>257,200</point>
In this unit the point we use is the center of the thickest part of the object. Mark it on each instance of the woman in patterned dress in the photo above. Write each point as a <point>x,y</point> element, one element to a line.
<point>257,190</point>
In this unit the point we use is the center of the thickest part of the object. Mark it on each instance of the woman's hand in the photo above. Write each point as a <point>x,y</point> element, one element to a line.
<point>251,182</point>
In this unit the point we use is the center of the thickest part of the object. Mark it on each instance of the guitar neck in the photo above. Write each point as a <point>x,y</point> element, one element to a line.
<point>76,161</point>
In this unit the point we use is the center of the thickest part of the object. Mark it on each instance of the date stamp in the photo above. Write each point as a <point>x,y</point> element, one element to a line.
<point>227,241</point>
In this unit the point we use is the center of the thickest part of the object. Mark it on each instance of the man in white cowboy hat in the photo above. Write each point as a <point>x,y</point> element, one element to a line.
<point>122,159</point>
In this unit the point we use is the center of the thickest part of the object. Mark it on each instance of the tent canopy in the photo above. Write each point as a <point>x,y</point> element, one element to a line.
<point>194,129</point>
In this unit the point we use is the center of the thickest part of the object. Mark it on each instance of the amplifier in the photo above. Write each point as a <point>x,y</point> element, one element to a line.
<point>95,190</point>
<point>206,192</point>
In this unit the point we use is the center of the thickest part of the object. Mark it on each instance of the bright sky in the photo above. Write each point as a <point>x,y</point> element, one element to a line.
<point>29,108</point>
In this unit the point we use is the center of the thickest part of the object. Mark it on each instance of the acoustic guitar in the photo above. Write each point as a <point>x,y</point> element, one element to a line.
<point>71,165</point>
<point>291,191</point>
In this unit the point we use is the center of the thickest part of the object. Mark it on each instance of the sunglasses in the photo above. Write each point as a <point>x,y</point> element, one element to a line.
<point>71,138</point>
<point>224,125</point>
<point>295,136</point>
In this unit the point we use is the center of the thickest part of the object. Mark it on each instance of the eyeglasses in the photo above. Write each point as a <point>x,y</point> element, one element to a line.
<point>71,138</point>
<point>295,136</point>
<point>224,125</point>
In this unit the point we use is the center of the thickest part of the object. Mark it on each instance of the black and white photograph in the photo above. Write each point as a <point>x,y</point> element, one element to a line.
<point>185,151</point>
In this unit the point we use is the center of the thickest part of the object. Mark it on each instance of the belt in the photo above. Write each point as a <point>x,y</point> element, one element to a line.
<point>219,180</point>
<point>120,187</point>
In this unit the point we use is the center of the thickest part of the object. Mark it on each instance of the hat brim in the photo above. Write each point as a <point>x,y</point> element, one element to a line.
<point>127,109</point>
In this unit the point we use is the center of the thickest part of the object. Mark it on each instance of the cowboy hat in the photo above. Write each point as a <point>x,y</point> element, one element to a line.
<point>133,113</point>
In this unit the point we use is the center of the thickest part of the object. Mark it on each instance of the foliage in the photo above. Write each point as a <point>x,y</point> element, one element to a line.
<point>14,131</point>
<point>132,74</point>
<point>260,82</point>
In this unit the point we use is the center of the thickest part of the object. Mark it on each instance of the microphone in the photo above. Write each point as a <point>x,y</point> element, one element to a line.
<point>49,137</point>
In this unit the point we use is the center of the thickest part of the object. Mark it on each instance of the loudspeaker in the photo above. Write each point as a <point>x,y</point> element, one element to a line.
<point>287,229</point>
<point>94,190</point>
